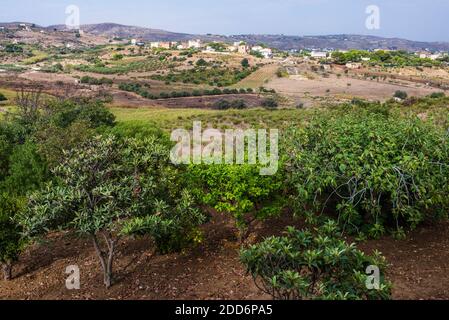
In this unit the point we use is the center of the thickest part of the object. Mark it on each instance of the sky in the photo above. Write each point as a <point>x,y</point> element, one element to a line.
<point>424,20</point>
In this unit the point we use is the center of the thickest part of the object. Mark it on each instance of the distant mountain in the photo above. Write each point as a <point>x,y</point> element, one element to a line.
<point>342,42</point>
<point>283,42</point>
<point>114,30</point>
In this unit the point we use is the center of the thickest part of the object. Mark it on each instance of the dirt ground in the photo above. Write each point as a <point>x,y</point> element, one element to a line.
<point>418,267</point>
<point>300,86</point>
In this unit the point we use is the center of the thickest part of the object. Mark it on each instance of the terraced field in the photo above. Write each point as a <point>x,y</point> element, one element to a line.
<point>259,78</point>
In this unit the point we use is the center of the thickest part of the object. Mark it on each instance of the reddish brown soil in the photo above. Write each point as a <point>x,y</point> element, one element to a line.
<point>212,270</point>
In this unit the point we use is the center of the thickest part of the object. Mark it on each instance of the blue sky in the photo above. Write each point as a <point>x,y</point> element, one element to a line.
<point>412,19</point>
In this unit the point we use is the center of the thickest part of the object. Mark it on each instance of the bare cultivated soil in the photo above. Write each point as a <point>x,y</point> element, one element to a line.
<point>418,267</point>
<point>344,87</point>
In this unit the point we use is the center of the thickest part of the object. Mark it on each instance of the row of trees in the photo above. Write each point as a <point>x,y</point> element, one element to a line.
<point>387,58</point>
<point>143,90</point>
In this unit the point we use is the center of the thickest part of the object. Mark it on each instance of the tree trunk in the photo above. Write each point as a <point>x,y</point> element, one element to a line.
<point>106,257</point>
<point>7,271</point>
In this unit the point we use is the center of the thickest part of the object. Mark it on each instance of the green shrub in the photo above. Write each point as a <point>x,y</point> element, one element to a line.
<point>94,112</point>
<point>2,97</point>
<point>174,227</point>
<point>401,94</point>
<point>437,95</point>
<point>270,103</point>
<point>238,104</point>
<point>376,172</point>
<point>239,190</point>
<point>306,265</point>
<point>201,63</point>
<point>11,242</point>
<point>226,104</point>
<point>222,105</point>
<point>95,81</point>
<point>245,63</point>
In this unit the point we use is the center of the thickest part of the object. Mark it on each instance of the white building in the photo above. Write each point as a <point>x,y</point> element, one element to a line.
<point>195,44</point>
<point>353,65</point>
<point>133,42</point>
<point>436,56</point>
<point>266,52</point>
<point>319,54</point>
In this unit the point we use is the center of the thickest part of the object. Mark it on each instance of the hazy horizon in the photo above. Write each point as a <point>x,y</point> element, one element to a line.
<point>413,20</point>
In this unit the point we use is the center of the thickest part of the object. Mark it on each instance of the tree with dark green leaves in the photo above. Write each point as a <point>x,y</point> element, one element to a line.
<point>378,173</point>
<point>105,183</point>
<point>315,265</point>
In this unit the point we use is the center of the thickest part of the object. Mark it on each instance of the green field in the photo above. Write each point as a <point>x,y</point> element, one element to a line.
<point>169,119</point>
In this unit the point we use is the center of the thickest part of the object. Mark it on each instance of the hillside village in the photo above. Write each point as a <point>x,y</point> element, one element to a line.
<point>26,33</point>
<point>358,130</point>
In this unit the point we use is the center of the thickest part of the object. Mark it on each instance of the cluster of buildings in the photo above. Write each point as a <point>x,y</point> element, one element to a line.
<point>430,55</point>
<point>238,47</point>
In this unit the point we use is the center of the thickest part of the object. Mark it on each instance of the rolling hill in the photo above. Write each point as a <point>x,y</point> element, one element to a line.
<point>283,42</point>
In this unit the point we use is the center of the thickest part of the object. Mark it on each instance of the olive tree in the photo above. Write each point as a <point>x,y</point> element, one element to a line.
<point>100,185</point>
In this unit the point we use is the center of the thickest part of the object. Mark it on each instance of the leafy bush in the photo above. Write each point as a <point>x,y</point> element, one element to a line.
<point>376,172</point>
<point>202,63</point>
<point>401,94</point>
<point>13,48</point>
<point>306,265</point>
<point>437,95</point>
<point>95,81</point>
<point>226,104</point>
<point>63,114</point>
<point>2,97</point>
<point>222,105</point>
<point>282,73</point>
<point>238,104</point>
<point>11,242</point>
<point>138,130</point>
<point>173,227</point>
<point>239,190</point>
<point>270,103</point>
<point>27,169</point>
